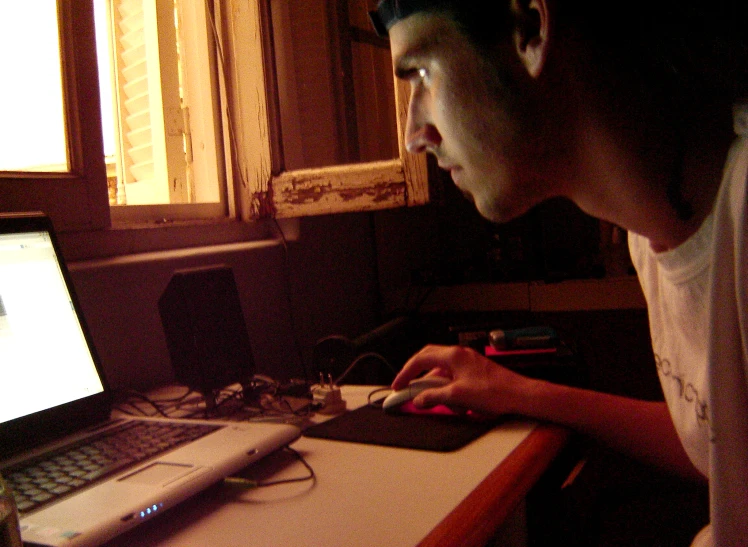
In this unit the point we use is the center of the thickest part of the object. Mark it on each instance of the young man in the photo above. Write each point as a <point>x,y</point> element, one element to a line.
<point>630,111</point>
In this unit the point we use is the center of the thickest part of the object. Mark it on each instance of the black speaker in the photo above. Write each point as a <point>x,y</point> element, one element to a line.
<point>205,329</point>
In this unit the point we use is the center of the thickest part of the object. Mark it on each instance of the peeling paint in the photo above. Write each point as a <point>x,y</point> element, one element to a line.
<point>379,193</point>
<point>262,205</point>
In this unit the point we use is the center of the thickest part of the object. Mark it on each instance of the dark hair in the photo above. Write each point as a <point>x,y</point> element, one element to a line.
<point>697,45</point>
<point>481,21</point>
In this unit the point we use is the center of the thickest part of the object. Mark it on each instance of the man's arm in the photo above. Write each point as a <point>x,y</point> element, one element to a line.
<point>642,429</point>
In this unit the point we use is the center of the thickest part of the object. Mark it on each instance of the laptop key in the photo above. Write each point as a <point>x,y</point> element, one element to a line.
<point>106,470</point>
<point>44,496</point>
<point>24,504</point>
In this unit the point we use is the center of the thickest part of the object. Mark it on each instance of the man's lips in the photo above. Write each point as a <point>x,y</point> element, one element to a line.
<point>454,171</point>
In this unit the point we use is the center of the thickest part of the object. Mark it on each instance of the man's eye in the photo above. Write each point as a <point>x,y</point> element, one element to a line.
<point>413,75</point>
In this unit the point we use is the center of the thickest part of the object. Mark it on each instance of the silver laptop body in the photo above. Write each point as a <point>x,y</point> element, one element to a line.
<point>53,396</point>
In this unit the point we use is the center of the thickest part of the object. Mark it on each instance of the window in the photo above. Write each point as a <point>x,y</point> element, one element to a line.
<point>152,132</point>
<point>192,119</point>
<point>266,184</point>
<point>155,71</point>
<point>74,197</point>
<point>26,102</point>
<point>158,103</point>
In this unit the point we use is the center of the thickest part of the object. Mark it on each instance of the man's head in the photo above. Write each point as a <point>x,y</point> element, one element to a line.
<point>471,71</point>
<point>499,87</point>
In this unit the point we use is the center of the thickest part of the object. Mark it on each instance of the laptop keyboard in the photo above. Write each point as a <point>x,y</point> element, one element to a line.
<point>41,481</point>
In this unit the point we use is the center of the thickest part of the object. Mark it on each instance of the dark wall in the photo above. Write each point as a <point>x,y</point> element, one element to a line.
<point>324,284</point>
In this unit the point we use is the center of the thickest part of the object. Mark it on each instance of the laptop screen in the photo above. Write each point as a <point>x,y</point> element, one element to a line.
<point>50,376</point>
<point>46,360</point>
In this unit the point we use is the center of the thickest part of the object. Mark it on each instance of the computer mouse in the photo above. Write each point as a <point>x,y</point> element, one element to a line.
<point>396,399</point>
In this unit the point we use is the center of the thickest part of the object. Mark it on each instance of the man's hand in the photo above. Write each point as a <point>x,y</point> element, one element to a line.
<point>478,384</point>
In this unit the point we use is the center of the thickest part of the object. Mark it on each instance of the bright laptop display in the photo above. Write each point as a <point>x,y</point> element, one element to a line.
<point>40,333</point>
<point>54,400</point>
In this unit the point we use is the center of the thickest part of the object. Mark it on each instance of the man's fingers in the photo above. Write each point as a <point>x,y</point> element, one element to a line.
<point>424,360</point>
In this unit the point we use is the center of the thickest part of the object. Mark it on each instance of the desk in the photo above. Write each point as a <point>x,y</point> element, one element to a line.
<point>366,495</point>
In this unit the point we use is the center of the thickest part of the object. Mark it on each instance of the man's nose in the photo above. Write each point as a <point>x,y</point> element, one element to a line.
<point>420,136</point>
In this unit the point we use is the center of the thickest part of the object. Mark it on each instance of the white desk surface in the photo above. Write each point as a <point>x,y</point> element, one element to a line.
<point>363,495</point>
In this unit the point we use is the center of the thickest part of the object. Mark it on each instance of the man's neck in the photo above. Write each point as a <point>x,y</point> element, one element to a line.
<point>630,190</point>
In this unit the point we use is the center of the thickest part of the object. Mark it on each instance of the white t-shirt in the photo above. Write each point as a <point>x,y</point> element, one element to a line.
<point>697,300</point>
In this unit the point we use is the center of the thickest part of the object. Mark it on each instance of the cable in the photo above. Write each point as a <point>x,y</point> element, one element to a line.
<point>303,461</point>
<point>228,403</point>
<point>243,483</point>
<point>136,412</point>
<point>155,404</point>
<point>362,357</point>
<point>374,392</point>
<point>292,317</point>
<point>421,301</point>
<point>224,72</point>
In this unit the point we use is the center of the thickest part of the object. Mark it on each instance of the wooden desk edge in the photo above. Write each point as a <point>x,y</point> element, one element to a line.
<point>473,522</point>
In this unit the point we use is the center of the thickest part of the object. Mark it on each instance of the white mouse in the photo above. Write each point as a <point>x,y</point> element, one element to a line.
<point>397,398</point>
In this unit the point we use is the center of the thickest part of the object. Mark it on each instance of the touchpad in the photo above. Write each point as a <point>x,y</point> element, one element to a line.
<point>159,473</point>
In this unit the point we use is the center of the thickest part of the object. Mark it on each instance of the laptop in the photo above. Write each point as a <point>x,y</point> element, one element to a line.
<point>56,430</point>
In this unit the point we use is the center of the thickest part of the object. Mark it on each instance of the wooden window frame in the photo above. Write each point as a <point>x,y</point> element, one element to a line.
<point>259,187</point>
<point>264,188</point>
<point>76,200</point>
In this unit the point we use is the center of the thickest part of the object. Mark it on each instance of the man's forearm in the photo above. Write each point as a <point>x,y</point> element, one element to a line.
<point>642,429</point>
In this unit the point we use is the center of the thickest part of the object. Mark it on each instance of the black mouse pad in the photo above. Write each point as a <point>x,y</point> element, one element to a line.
<point>371,425</point>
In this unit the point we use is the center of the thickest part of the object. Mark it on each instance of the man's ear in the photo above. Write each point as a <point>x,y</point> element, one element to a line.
<point>531,33</point>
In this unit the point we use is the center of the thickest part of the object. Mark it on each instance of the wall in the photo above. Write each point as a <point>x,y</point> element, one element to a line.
<point>346,274</point>
<point>328,280</point>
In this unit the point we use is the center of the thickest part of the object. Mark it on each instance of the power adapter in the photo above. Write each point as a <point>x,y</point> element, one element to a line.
<point>327,397</point>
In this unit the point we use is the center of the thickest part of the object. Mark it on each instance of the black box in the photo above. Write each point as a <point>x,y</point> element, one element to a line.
<point>205,329</point>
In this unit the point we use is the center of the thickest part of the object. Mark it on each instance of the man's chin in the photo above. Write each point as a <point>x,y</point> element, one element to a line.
<point>467,195</point>
<point>493,212</point>
<point>501,216</point>
<point>485,212</point>
<point>490,210</point>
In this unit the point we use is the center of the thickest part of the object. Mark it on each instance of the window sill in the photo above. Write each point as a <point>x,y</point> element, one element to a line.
<point>127,239</point>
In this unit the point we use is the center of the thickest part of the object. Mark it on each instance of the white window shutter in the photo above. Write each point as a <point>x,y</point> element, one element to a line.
<point>151,133</point>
